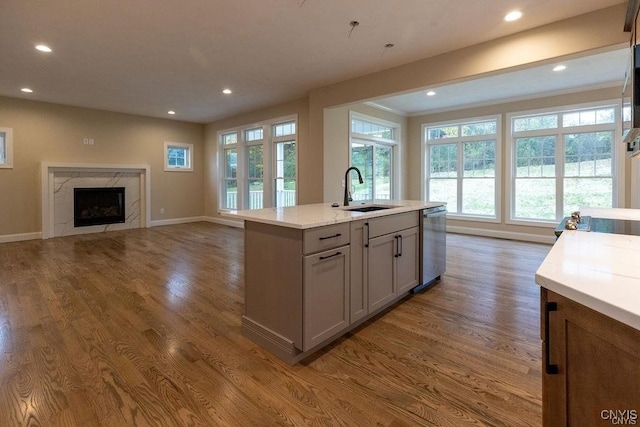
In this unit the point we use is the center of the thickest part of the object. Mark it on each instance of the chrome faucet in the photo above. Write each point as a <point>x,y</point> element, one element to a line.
<point>347,193</point>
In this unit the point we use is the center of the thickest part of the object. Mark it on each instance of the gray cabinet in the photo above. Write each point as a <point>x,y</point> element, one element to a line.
<point>359,275</point>
<point>408,261</point>
<point>382,264</point>
<point>325,283</point>
<point>304,288</point>
<point>393,266</point>
<point>385,261</point>
<point>325,295</point>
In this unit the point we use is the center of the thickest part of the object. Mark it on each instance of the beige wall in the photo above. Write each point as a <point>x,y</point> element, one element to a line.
<point>336,147</point>
<point>306,155</point>
<point>45,132</point>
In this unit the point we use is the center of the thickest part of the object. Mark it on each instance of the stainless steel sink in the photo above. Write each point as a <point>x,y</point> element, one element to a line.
<point>368,208</point>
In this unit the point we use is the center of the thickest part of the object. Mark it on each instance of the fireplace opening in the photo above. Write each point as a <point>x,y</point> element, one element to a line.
<point>98,206</point>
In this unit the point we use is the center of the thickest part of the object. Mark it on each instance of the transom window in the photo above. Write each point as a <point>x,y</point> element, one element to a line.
<point>561,161</point>
<point>260,165</point>
<point>461,163</point>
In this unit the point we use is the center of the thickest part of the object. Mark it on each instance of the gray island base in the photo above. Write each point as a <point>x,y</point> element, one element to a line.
<point>307,285</point>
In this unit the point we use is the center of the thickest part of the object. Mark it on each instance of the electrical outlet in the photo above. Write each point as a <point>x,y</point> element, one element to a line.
<point>91,141</point>
<point>85,141</point>
<point>161,210</point>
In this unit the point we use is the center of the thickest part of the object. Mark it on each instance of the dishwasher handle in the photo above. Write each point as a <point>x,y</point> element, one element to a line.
<point>435,210</point>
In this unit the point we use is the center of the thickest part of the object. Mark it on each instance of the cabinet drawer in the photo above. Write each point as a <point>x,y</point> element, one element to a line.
<point>391,223</point>
<point>327,237</point>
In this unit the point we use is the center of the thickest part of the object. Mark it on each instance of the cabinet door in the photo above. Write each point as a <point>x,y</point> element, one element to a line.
<point>359,274</point>
<point>325,295</point>
<point>598,366</point>
<point>407,268</point>
<point>382,264</point>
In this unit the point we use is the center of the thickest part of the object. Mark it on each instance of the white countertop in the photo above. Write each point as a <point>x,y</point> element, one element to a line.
<point>317,215</point>
<point>598,270</point>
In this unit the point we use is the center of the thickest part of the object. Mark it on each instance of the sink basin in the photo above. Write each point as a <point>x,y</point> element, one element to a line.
<point>368,208</point>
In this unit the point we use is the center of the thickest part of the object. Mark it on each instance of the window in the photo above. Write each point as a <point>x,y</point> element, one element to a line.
<point>178,156</point>
<point>260,165</point>
<point>373,143</point>
<point>561,161</point>
<point>461,164</point>
<point>285,163</point>
<point>230,176</point>
<point>6,148</point>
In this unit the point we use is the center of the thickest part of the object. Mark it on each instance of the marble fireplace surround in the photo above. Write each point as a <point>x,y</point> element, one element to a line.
<point>53,174</point>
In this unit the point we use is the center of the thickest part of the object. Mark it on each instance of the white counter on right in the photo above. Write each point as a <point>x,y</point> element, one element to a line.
<point>598,270</point>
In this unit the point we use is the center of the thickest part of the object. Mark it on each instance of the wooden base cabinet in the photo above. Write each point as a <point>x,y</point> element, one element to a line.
<point>590,366</point>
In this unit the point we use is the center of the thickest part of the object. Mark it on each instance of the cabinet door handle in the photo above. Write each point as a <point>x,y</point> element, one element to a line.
<point>400,247</point>
<point>330,237</point>
<point>330,256</point>
<point>366,242</point>
<point>397,248</point>
<point>548,367</point>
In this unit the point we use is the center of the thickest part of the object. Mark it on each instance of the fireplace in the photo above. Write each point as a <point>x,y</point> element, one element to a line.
<point>98,206</point>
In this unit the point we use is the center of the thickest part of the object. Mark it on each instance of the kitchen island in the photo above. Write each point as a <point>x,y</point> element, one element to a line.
<point>315,272</point>
<point>590,326</point>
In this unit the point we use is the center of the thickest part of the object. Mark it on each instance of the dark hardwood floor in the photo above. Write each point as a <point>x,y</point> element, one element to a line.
<point>142,327</point>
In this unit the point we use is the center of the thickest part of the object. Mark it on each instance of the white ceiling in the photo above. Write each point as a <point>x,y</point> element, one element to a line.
<point>150,56</point>
<point>604,69</point>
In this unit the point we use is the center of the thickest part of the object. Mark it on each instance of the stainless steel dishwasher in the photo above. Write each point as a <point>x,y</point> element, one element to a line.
<point>433,246</point>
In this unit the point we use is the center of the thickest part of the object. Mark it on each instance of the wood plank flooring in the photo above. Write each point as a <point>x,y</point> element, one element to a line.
<point>142,328</point>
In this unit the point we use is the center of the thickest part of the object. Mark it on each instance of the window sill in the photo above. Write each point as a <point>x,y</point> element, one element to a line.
<point>462,217</point>
<point>178,169</point>
<point>533,223</point>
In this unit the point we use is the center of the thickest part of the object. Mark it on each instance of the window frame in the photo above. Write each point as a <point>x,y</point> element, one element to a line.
<point>378,142</point>
<point>283,139</point>
<point>242,145</point>
<point>559,133</point>
<point>188,156</point>
<point>222,168</point>
<point>460,141</point>
<point>8,148</point>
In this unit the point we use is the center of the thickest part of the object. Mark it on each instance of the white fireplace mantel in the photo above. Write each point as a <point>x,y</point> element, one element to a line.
<point>49,171</point>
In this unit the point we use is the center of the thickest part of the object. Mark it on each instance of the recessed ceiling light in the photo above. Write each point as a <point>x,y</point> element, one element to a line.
<point>43,48</point>
<point>559,68</point>
<point>171,112</point>
<point>513,16</point>
<point>226,91</point>
<point>431,93</point>
<point>26,90</point>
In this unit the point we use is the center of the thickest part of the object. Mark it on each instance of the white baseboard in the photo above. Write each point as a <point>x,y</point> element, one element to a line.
<point>20,237</point>
<point>510,235</point>
<point>223,221</point>
<point>175,221</point>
